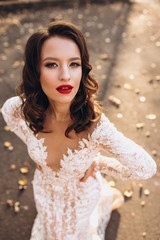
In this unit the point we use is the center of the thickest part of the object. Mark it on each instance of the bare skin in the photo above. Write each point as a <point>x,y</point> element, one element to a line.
<point>58,69</point>
<point>57,144</point>
<point>88,173</point>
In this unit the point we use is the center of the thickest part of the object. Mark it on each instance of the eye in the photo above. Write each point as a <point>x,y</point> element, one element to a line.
<point>51,65</point>
<point>75,64</point>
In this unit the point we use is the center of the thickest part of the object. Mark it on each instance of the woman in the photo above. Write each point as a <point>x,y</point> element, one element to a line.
<point>64,129</point>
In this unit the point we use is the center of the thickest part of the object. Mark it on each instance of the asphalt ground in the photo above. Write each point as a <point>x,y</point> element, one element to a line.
<point>124,45</point>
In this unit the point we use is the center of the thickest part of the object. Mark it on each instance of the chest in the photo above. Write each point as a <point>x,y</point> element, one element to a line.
<point>57,145</point>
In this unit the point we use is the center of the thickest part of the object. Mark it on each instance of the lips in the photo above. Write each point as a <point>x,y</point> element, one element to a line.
<point>64,89</point>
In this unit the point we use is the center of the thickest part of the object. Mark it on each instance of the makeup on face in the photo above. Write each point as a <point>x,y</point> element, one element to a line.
<point>64,89</point>
<point>60,74</point>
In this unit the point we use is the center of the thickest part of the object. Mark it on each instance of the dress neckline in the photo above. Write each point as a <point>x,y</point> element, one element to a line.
<point>83,143</point>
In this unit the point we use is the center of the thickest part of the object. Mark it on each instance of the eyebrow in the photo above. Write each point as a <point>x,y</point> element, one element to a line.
<point>56,59</point>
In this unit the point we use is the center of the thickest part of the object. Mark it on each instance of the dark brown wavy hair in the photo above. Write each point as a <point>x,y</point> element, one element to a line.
<point>84,110</point>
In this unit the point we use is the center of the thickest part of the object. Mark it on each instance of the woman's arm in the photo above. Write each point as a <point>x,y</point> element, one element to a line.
<point>130,161</point>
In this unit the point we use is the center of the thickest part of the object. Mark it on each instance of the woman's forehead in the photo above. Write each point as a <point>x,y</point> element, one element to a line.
<point>60,47</point>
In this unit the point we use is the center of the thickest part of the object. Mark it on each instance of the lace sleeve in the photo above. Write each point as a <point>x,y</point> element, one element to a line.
<point>13,118</point>
<point>130,160</point>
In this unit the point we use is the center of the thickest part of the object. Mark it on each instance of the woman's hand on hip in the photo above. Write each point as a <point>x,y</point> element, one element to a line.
<point>39,167</point>
<point>90,172</point>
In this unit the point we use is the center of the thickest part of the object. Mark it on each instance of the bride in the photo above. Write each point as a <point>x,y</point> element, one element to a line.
<point>64,129</point>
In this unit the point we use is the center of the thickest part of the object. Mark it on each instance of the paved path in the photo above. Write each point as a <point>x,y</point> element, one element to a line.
<point>130,36</point>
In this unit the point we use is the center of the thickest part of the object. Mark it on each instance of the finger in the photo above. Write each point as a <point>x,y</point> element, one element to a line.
<point>85,176</point>
<point>94,176</point>
<point>88,173</point>
<point>39,167</point>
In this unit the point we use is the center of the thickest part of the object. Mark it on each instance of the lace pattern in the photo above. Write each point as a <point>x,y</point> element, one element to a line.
<point>68,209</point>
<point>130,160</point>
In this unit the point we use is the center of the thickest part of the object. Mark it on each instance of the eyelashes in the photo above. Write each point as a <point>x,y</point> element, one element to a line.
<point>51,65</point>
<point>75,64</point>
<point>54,65</point>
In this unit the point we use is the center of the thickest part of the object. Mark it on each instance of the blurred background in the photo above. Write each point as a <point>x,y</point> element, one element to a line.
<point>123,38</point>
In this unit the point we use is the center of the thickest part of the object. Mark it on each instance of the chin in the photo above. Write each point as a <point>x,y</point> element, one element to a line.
<point>64,101</point>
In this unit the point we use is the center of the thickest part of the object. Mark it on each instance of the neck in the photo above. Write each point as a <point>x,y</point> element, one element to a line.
<point>60,112</point>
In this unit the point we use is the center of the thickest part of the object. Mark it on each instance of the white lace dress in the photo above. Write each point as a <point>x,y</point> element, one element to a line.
<point>68,209</point>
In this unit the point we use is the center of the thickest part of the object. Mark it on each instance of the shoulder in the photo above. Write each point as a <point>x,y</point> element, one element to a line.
<point>102,127</point>
<point>12,106</point>
<point>13,101</point>
<point>11,112</point>
<point>100,120</point>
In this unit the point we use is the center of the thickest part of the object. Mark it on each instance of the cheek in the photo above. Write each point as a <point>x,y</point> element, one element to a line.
<point>46,80</point>
<point>43,78</point>
<point>78,77</point>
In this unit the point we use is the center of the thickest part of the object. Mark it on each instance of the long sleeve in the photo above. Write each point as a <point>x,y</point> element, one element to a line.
<point>12,116</point>
<point>130,161</point>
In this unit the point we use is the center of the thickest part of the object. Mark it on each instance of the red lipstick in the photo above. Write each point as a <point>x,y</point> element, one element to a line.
<point>64,89</point>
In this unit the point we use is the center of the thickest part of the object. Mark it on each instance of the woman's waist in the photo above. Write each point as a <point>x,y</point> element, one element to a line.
<point>61,183</point>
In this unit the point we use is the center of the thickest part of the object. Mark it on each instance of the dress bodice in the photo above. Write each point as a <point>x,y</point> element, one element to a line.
<point>129,159</point>
<point>69,209</point>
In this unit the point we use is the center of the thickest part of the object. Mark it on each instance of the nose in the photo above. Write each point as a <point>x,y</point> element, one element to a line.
<point>64,74</point>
